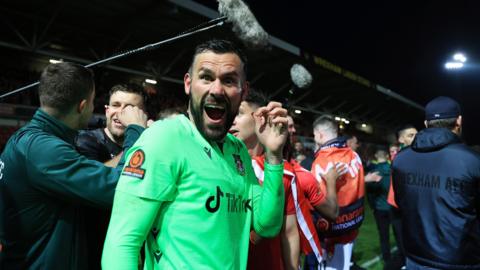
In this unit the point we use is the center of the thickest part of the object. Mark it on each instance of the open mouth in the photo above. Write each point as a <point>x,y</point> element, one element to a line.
<point>117,123</point>
<point>234,132</point>
<point>214,112</point>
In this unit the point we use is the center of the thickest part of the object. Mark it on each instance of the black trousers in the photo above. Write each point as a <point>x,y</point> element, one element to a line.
<point>382,218</point>
<point>396,220</point>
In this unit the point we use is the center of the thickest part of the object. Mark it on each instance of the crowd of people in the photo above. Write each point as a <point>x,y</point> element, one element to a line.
<point>225,184</point>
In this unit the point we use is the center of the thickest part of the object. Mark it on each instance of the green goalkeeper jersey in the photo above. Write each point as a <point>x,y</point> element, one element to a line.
<point>201,201</point>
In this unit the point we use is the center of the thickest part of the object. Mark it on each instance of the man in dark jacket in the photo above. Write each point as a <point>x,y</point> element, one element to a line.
<point>45,182</point>
<point>104,144</point>
<point>436,184</point>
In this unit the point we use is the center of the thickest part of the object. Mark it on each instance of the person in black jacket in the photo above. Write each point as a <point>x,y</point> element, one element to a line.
<point>436,183</point>
<point>105,145</point>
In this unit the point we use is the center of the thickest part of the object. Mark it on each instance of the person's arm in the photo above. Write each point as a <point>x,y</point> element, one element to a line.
<point>112,163</point>
<point>372,178</point>
<point>62,172</point>
<point>139,195</point>
<point>268,202</point>
<point>329,207</point>
<point>131,220</point>
<point>290,243</point>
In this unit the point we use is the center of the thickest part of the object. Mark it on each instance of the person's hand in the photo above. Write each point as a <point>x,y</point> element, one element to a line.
<point>372,177</point>
<point>335,172</point>
<point>132,115</point>
<point>271,130</point>
<point>150,122</point>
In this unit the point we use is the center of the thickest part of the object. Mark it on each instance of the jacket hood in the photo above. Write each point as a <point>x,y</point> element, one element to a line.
<point>432,139</point>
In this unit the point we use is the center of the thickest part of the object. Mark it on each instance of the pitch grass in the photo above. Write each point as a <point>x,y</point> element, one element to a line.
<point>367,245</point>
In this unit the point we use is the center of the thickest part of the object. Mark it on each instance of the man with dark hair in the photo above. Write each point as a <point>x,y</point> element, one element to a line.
<point>45,182</point>
<point>340,234</point>
<point>405,136</point>
<point>436,183</point>
<point>283,251</point>
<point>352,142</point>
<point>105,145</point>
<point>189,188</point>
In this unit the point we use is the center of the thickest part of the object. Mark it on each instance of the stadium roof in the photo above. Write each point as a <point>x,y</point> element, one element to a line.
<point>32,32</point>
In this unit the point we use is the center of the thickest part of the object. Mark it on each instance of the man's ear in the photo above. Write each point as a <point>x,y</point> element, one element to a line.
<point>425,123</point>
<point>245,89</point>
<point>187,83</point>
<point>82,105</point>
<point>459,121</point>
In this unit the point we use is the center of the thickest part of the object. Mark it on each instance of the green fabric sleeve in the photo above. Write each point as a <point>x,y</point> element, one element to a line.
<point>268,202</point>
<point>132,217</point>
<point>160,167</point>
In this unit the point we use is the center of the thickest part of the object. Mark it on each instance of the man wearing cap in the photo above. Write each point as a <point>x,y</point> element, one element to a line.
<point>436,183</point>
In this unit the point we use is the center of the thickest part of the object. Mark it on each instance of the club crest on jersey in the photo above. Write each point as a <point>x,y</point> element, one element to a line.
<point>133,168</point>
<point>239,164</point>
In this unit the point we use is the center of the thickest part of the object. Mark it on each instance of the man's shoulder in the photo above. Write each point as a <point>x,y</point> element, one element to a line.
<point>90,135</point>
<point>34,142</point>
<point>93,138</point>
<point>177,124</point>
<point>173,133</point>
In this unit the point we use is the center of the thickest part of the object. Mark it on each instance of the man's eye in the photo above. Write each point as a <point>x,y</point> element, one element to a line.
<point>206,77</point>
<point>230,81</point>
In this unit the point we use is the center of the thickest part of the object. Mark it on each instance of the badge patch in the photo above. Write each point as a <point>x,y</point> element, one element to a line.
<point>239,164</point>
<point>133,168</point>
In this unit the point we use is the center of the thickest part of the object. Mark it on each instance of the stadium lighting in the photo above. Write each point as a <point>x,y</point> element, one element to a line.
<point>458,61</point>
<point>150,81</point>
<point>453,65</point>
<point>346,122</point>
<point>298,111</point>
<point>364,125</point>
<point>55,61</point>
<point>337,118</point>
<point>460,57</point>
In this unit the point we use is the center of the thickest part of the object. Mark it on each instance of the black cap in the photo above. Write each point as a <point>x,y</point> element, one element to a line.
<point>442,108</point>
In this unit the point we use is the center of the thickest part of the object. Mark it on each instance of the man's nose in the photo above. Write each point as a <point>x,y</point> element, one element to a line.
<point>216,88</point>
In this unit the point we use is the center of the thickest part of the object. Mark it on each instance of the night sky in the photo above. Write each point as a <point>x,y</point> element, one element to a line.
<point>398,44</point>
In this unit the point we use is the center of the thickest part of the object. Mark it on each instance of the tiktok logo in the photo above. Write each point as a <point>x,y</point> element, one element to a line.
<point>210,199</point>
<point>235,203</point>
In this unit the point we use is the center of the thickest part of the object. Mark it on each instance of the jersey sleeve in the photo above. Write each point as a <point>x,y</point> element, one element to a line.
<point>312,189</point>
<point>153,164</point>
<point>267,215</point>
<point>132,217</point>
